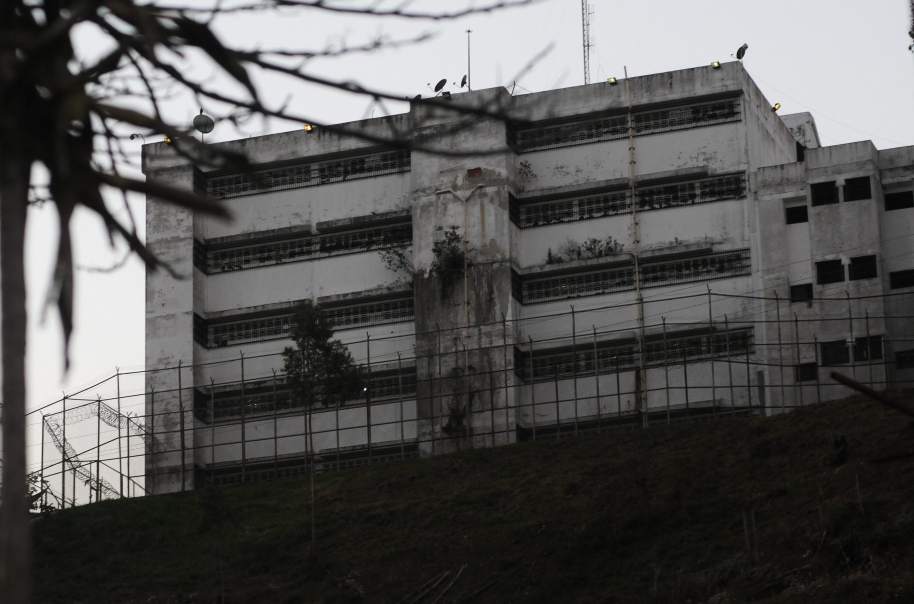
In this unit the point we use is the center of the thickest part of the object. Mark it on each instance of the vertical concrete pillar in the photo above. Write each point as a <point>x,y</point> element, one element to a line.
<point>169,330</point>
<point>462,243</point>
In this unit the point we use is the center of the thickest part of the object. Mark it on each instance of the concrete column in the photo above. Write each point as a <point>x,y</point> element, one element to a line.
<point>472,398</point>
<point>169,337</point>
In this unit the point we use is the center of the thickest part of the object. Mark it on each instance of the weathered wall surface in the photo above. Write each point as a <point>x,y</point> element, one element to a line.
<point>467,320</point>
<point>169,320</point>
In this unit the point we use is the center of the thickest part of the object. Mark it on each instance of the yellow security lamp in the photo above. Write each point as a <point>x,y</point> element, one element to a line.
<point>715,64</point>
<point>308,127</point>
<point>776,107</point>
<point>612,81</point>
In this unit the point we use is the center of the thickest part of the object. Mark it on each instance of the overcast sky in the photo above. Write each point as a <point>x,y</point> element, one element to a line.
<point>845,61</point>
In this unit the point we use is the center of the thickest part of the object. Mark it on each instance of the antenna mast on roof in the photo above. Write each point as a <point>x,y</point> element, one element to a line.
<point>586,14</point>
<point>469,87</point>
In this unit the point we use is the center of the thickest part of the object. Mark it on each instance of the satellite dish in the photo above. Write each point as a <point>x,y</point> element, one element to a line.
<point>203,123</point>
<point>463,82</point>
<point>741,51</point>
<point>440,85</point>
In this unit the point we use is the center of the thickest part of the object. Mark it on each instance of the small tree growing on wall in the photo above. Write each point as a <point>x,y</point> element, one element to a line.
<point>319,369</point>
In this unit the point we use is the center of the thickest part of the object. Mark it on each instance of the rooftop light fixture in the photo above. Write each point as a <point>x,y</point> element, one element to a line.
<point>775,107</point>
<point>308,127</point>
<point>612,81</point>
<point>167,140</point>
<point>715,64</point>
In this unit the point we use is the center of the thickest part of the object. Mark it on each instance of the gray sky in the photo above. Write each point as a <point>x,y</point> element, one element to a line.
<point>845,61</point>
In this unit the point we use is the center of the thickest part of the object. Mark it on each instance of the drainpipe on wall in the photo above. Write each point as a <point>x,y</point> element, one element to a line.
<point>641,381</point>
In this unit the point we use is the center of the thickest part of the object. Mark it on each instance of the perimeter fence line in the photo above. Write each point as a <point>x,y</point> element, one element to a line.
<point>688,376</point>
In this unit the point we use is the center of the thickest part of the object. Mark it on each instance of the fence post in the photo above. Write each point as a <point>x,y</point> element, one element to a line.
<point>558,411</point>
<point>44,499</point>
<point>98,448</point>
<point>63,455</point>
<point>504,338</point>
<point>815,343</point>
<point>618,387</point>
<point>244,405</point>
<point>749,378</point>
<point>368,390</point>
<point>212,428</point>
<point>434,386</point>
<point>532,382</point>
<point>181,415</point>
<point>151,447</point>
<point>796,374</point>
<point>729,362</point>
<point>275,428</point>
<point>712,348</point>
<point>869,349</point>
<point>777,303</point>
<point>491,373</point>
<point>666,371</point>
<point>850,343</point>
<point>685,376</point>
<point>400,396</point>
<point>596,379</point>
<point>574,368</point>
<point>120,454</point>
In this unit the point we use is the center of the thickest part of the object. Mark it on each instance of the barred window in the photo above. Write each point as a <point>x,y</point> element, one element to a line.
<point>862,267</point>
<point>899,200</point>
<point>829,271</point>
<point>228,332</point>
<point>612,356</point>
<point>612,203</point>
<point>856,189</point>
<point>868,348</point>
<point>370,313</point>
<point>598,129</point>
<point>308,174</point>
<point>229,257</point>
<point>806,372</point>
<point>535,288</point>
<point>834,352</point>
<point>267,396</point>
<point>823,193</point>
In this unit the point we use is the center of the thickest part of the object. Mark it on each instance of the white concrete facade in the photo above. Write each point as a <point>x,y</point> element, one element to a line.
<point>677,301</point>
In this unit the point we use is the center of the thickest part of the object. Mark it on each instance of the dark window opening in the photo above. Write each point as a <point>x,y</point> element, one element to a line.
<point>868,349</point>
<point>899,279</point>
<point>899,200</point>
<point>801,152</point>
<point>829,271</point>
<point>796,214</point>
<point>823,193</point>
<point>835,353</point>
<point>856,189</point>
<point>806,372</point>
<point>801,293</point>
<point>904,359</point>
<point>863,267</point>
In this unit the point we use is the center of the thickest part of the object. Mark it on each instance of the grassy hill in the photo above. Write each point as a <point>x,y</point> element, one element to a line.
<point>727,510</point>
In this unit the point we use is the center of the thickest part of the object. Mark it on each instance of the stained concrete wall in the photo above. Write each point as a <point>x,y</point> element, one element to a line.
<point>470,397</point>
<point>169,321</point>
<point>449,192</point>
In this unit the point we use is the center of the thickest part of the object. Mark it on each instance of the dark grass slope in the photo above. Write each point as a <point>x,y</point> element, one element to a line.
<point>728,510</point>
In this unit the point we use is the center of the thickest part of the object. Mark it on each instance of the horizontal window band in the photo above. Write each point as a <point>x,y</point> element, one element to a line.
<point>620,277</point>
<point>622,355</point>
<point>307,174</point>
<point>254,254</point>
<point>552,135</point>
<point>274,325</point>
<point>588,206</point>
<point>266,396</point>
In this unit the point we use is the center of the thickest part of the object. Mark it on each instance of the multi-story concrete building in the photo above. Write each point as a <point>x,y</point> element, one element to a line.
<point>664,244</point>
